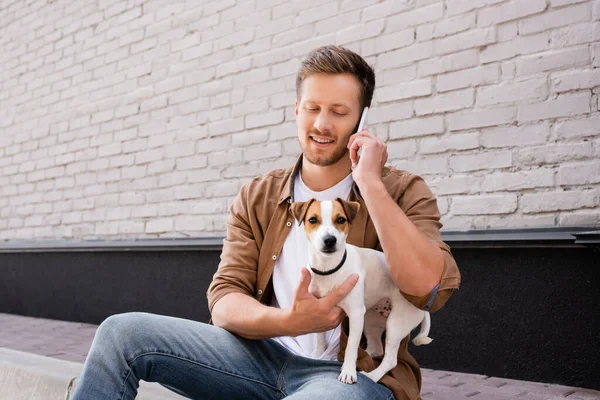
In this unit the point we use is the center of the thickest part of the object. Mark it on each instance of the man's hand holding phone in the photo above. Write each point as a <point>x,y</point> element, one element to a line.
<point>367,153</point>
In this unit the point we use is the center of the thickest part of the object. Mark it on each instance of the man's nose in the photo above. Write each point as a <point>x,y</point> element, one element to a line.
<point>323,123</point>
<point>330,241</point>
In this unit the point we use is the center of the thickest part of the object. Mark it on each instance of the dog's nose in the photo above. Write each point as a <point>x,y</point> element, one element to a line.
<point>330,241</point>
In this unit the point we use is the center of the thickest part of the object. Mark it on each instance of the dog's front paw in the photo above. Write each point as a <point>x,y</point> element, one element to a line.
<point>368,375</point>
<point>348,375</point>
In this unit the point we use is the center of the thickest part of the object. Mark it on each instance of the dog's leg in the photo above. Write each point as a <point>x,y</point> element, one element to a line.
<point>356,315</point>
<point>396,330</point>
<point>374,327</point>
<point>402,319</point>
<point>422,337</point>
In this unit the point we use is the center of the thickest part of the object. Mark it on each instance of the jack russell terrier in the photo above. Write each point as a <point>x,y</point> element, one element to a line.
<point>331,261</point>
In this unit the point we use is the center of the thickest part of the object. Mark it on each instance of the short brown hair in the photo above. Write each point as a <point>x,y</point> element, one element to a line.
<point>338,60</point>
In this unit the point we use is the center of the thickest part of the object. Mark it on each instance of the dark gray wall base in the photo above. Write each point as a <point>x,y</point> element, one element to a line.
<point>526,309</point>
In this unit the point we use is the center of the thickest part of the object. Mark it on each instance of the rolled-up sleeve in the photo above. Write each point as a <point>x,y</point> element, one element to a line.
<point>420,206</point>
<point>237,271</point>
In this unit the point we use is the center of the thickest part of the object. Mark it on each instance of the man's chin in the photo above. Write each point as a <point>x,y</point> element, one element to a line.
<point>324,159</point>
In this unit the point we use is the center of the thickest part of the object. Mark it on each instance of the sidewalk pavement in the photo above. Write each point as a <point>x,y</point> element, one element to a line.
<point>71,341</point>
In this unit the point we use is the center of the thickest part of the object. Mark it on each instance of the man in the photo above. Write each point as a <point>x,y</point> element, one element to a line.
<point>264,316</point>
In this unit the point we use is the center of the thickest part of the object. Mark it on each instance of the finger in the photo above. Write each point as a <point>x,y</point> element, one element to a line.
<point>305,279</point>
<point>357,144</point>
<point>342,291</point>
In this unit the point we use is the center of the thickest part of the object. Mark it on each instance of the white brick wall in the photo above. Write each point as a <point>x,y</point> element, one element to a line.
<point>144,118</point>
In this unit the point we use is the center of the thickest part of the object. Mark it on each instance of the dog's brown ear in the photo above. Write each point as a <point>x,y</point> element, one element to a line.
<point>350,208</point>
<point>299,209</point>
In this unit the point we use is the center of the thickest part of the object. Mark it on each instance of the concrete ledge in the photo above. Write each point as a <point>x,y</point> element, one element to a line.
<point>26,376</point>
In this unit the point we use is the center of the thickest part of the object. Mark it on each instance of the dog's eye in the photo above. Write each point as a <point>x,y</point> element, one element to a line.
<point>313,220</point>
<point>340,220</point>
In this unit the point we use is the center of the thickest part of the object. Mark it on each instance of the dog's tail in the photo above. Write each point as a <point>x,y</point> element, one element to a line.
<point>422,337</point>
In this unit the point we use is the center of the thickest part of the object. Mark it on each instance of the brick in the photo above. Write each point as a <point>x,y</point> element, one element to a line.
<point>190,223</point>
<point>361,32</point>
<point>201,51</point>
<point>382,10</point>
<point>404,90</point>
<point>519,46</point>
<point>578,128</point>
<point>456,141</point>
<point>404,56</point>
<point>388,42</point>
<point>484,204</point>
<point>440,103</point>
<point>192,162</point>
<point>447,63</point>
<point>274,27</point>
<point>222,189</point>
<point>517,181</point>
<point>513,92</point>
<point>462,6</point>
<point>559,200</point>
<point>336,23</point>
<point>249,137</point>
<point>446,27</point>
<point>566,105</point>
<point>555,153</point>
<point>579,174</point>
<point>475,162</point>
<point>417,127</point>
<point>226,126</point>
<point>424,165</point>
<point>560,3</point>
<point>480,118</point>
<point>515,136</point>
<point>456,184</point>
<point>415,17</point>
<point>237,38</point>
<point>470,77</point>
<point>575,80</point>
<point>555,18</point>
<point>575,34</point>
<point>159,225</point>
<point>403,74</point>
<point>508,11</point>
<point>264,119</point>
<point>401,148</point>
<point>315,14</point>
<point>271,150</point>
<point>233,156</point>
<point>465,40</point>
<point>391,112</point>
<point>584,218</point>
<point>553,60</point>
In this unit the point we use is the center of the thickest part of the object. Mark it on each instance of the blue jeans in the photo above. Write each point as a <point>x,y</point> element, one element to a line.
<point>202,361</point>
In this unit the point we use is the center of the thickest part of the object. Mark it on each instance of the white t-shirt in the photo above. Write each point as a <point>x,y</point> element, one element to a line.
<point>293,257</point>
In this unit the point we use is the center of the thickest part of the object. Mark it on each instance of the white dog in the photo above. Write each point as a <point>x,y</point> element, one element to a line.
<point>331,261</point>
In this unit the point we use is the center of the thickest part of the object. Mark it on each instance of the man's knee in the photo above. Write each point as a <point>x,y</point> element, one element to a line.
<point>120,327</point>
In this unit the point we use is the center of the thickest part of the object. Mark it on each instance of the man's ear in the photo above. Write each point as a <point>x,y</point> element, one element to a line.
<point>299,209</point>
<point>350,208</point>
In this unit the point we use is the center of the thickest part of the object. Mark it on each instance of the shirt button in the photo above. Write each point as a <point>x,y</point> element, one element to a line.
<point>289,224</point>
<point>274,257</point>
<point>259,291</point>
<point>290,201</point>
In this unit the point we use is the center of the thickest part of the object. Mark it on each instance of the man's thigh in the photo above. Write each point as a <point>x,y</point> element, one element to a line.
<point>316,379</point>
<point>197,359</point>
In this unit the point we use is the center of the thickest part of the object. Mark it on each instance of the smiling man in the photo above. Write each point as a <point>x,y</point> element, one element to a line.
<point>263,339</point>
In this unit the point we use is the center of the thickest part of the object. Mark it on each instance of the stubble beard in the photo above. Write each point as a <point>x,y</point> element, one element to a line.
<point>323,160</point>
